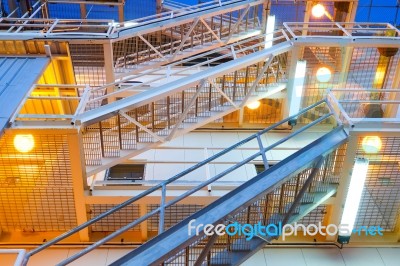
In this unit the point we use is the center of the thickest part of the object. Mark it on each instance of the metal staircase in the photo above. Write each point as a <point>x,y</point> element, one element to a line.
<point>182,32</point>
<point>117,128</point>
<point>234,207</point>
<point>282,193</point>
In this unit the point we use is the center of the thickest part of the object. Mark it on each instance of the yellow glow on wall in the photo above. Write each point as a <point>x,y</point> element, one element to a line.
<point>371,144</point>
<point>24,142</point>
<point>318,10</point>
<point>254,105</point>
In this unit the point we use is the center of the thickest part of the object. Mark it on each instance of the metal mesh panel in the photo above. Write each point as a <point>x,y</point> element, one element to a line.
<point>173,215</point>
<point>317,57</point>
<point>35,189</point>
<point>363,67</point>
<point>88,63</point>
<point>116,220</point>
<point>380,201</point>
<point>315,216</point>
<point>270,112</point>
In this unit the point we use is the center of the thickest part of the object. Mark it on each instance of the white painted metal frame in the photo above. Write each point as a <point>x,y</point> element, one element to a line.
<point>96,28</point>
<point>334,97</point>
<point>20,257</point>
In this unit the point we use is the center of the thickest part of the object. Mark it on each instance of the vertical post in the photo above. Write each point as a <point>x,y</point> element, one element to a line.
<point>78,180</point>
<point>207,169</point>
<point>241,116</point>
<point>143,225</point>
<point>83,10</point>
<point>266,6</point>
<point>346,53</point>
<point>45,9</point>
<point>121,16</point>
<point>351,15</point>
<point>159,6</point>
<point>392,110</point>
<point>338,204</point>
<point>295,84</point>
<point>109,67</point>
<point>261,147</point>
<point>162,209</point>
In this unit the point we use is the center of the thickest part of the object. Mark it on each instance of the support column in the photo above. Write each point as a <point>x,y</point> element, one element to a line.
<point>265,13</point>
<point>241,116</point>
<point>83,10</point>
<point>159,6</point>
<point>121,16</point>
<point>109,67</point>
<point>79,183</point>
<point>392,110</point>
<point>295,84</point>
<point>336,209</point>
<point>291,70</point>
<point>347,53</point>
<point>351,16</point>
<point>143,225</point>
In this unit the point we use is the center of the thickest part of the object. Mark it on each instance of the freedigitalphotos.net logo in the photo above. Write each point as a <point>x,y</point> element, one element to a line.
<point>276,230</point>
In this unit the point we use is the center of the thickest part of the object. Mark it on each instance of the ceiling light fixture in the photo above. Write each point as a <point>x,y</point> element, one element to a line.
<point>254,105</point>
<point>318,10</point>
<point>324,74</point>
<point>353,198</point>
<point>371,144</point>
<point>24,142</point>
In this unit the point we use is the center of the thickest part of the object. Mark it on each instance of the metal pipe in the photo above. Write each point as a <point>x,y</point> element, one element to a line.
<point>162,209</point>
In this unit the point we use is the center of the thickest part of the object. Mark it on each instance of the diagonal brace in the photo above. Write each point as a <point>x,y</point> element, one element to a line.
<point>211,31</point>
<point>206,250</point>
<point>236,26</point>
<point>152,47</point>
<point>259,77</point>
<point>184,39</point>
<point>303,189</point>
<point>217,87</point>
<point>133,121</point>
<point>186,111</point>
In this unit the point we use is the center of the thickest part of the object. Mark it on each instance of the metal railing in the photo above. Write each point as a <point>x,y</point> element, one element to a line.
<point>163,186</point>
<point>366,106</point>
<point>31,27</point>
<point>178,13</point>
<point>20,255</point>
<point>343,29</point>
<point>56,102</point>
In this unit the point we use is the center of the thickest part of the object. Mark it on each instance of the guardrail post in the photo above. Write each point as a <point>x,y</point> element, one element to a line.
<point>262,152</point>
<point>162,209</point>
<point>78,181</point>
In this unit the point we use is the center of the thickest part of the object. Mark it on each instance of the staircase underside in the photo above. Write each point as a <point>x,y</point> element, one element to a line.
<point>176,238</point>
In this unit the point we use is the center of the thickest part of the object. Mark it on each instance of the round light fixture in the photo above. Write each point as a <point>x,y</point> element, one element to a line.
<point>371,144</point>
<point>254,105</point>
<point>324,74</point>
<point>24,143</point>
<point>318,10</point>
